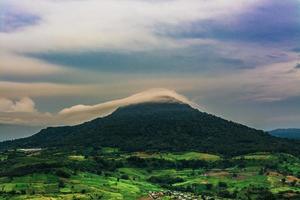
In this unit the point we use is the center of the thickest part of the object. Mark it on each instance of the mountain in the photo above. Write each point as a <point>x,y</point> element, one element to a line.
<point>292,133</point>
<point>159,126</point>
<point>12,131</point>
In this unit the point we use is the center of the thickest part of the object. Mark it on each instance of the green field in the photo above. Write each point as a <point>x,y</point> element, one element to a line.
<point>111,174</point>
<point>179,156</point>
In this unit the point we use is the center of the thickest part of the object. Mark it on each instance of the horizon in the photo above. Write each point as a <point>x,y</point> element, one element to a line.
<point>62,59</point>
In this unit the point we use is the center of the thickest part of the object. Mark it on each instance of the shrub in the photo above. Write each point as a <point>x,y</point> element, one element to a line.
<point>165,179</point>
<point>125,176</point>
<point>222,184</point>
<point>225,194</point>
<point>61,183</point>
<point>62,173</point>
<point>209,186</point>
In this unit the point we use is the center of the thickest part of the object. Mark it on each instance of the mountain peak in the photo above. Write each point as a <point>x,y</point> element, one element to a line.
<point>168,105</point>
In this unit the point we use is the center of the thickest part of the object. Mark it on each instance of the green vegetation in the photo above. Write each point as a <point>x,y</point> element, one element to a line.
<point>113,174</point>
<point>179,156</point>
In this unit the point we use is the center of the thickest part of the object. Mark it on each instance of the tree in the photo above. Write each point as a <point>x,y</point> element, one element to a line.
<point>293,183</point>
<point>209,186</point>
<point>125,176</point>
<point>222,184</point>
<point>61,183</point>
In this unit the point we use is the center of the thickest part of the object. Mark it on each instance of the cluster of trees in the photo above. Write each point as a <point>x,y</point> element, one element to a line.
<point>165,180</point>
<point>29,169</point>
<point>156,163</point>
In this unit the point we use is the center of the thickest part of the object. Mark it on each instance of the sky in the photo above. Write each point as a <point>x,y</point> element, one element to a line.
<point>67,61</point>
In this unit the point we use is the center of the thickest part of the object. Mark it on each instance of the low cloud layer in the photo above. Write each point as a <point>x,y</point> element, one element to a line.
<point>23,111</point>
<point>41,89</point>
<point>12,65</point>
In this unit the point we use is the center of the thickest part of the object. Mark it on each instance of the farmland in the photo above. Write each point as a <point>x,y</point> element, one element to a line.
<point>108,173</point>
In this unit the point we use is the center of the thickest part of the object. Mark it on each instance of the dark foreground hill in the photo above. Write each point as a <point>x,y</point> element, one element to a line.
<point>164,126</point>
<point>292,133</point>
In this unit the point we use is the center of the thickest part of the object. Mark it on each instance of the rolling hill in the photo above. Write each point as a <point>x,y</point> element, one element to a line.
<point>159,126</point>
<point>292,133</point>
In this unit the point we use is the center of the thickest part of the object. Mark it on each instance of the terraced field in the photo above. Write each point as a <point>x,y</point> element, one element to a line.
<point>111,174</point>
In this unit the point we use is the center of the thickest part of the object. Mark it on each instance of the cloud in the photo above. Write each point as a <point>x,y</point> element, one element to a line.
<point>13,18</point>
<point>110,35</point>
<point>188,59</point>
<point>24,105</point>
<point>113,28</point>
<point>271,21</point>
<point>14,112</point>
<point>297,66</point>
<point>42,89</point>
<point>269,83</point>
<point>20,66</point>
<point>129,24</point>
<point>47,55</point>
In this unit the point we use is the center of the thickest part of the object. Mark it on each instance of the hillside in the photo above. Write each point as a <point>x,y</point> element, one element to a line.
<point>292,133</point>
<point>164,126</point>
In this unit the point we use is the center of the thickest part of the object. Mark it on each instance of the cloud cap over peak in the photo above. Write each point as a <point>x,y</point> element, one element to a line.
<point>81,113</point>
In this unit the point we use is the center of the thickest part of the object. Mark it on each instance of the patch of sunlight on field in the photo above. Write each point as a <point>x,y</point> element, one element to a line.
<point>108,150</point>
<point>77,157</point>
<point>134,172</point>
<point>285,188</point>
<point>257,156</point>
<point>196,156</point>
<point>3,157</point>
<point>179,156</point>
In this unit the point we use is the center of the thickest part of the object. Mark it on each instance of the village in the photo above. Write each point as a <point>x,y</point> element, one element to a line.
<point>177,195</point>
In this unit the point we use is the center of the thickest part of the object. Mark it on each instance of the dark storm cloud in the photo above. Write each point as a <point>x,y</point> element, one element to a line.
<point>180,60</point>
<point>272,22</point>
